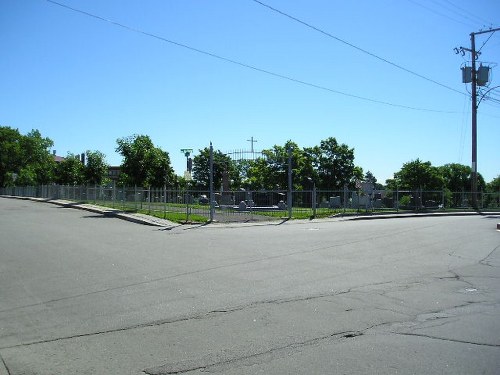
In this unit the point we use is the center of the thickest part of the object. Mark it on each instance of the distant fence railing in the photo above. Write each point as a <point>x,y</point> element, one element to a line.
<point>240,205</point>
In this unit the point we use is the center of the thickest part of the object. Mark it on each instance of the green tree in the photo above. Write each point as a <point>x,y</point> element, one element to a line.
<point>37,157</point>
<point>10,155</point>
<point>271,171</point>
<point>334,164</point>
<point>222,164</point>
<point>456,177</point>
<point>96,169</point>
<point>143,163</point>
<point>158,169</point>
<point>416,175</point>
<point>70,171</point>
<point>369,177</point>
<point>494,185</point>
<point>493,193</point>
<point>25,159</point>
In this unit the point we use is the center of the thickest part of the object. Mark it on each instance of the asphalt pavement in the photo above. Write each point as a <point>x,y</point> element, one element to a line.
<point>85,293</point>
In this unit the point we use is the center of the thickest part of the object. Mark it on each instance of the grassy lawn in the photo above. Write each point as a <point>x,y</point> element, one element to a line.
<point>176,217</point>
<point>157,210</point>
<point>176,212</point>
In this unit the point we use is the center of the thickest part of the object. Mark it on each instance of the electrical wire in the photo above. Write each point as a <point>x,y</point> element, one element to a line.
<point>460,14</point>
<point>235,62</point>
<point>355,47</point>
<point>440,14</point>
<point>480,19</point>
<point>491,34</point>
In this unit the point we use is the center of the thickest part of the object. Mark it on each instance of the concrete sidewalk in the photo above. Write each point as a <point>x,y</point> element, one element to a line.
<point>105,211</point>
<point>154,221</point>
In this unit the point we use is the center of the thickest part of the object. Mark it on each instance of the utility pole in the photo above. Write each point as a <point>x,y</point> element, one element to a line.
<point>474,121</point>
<point>472,77</point>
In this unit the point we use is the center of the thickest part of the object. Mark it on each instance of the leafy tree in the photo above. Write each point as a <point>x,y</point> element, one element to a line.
<point>329,165</point>
<point>70,171</point>
<point>25,159</point>
<point>159,171</point>
<point>10,155</point>
<point>369,177</point>
<point>143,163</point>
<point>26,176</point>
<point>457,177</point>
<point>357,175</point>
<point>96,169</point>
<point>493,193</point>
<point>37,156</point>
<point>334,164</point>
<point>271,171</point>
<point>222,164</point>
<point>494,185</point>
<point>417,174</point>
<point>265,173</point>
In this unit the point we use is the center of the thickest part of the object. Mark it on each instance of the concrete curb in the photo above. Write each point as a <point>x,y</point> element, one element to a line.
<point>411,215</point>
<point>157,222</point>
<point>110,212</point>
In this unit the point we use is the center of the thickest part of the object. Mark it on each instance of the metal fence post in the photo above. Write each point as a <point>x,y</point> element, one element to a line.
<point>314,200</point>
<point>289,198</point>
<point>186,197</point>
<point>135,197</point>
<point>165,201</point>
<point>211,170</point>
<point>397,199</point>
<point>113,193</point>
<point>149,199</point>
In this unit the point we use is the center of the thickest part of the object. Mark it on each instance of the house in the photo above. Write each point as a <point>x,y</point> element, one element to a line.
<point>114,173</point>
<point>57,158</point>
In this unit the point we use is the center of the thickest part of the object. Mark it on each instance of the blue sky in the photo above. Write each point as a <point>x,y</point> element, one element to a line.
<point>84,82</point>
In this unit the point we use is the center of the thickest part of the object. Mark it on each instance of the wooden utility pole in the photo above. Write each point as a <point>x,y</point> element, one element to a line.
<point>474,121</point>
<point>474,84</point>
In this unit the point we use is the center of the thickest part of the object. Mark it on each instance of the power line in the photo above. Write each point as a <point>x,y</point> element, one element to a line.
<point>460,14</point>
<point>235,62</point>
<point>486,42</point>
<point>480,19</point>
<point>355,47</point>
<point>440,14</point>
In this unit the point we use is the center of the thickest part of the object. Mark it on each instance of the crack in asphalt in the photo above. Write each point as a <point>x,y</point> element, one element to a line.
<point>2,363</point>
<point>187,366</point>
<point>188,273</point>
<point>184,367</point>
<point>446,339</point>
<point>200,316</point>
<point>205,315</point>
<point>484,261</point>
<point>208,269</point>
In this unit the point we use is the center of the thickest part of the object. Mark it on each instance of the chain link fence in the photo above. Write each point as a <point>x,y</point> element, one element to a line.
<point>244,205</point>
